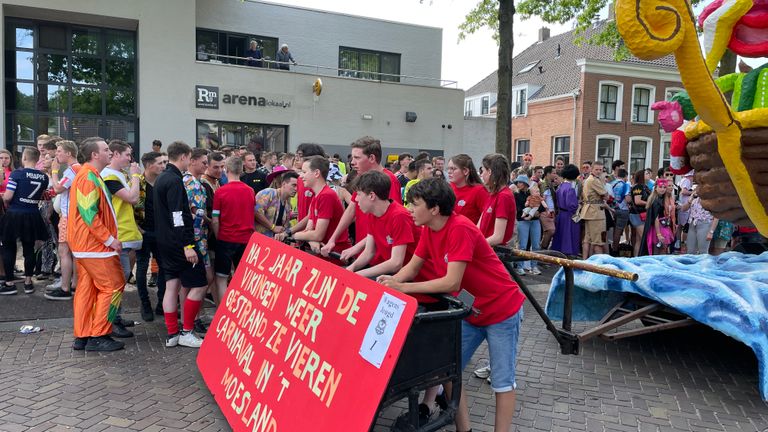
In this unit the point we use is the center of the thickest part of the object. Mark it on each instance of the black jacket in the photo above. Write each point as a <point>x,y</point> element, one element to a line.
<point>173,219</point>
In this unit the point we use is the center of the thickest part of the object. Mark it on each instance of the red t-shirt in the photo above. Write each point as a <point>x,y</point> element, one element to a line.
<point>303,199</point>
<point>234,204</point>
<point>361,219</point>
<point>394,228</point>
<point>327,205</point>
<point>470,201</point>
<point>500,205</point>
<point>497,297</point>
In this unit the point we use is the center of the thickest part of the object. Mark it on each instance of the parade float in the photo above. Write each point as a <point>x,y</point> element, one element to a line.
<point>726,142</point>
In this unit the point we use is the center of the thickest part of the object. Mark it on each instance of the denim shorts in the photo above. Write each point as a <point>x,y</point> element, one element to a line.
<point>635,221</point>
<point>502,348</point>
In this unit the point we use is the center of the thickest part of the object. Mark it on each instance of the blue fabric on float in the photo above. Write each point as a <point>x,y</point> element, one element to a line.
<point>728,293</point>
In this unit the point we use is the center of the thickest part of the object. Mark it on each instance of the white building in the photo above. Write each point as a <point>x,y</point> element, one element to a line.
<point>141,70</point>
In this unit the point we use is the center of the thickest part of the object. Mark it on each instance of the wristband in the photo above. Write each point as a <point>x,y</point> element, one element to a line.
<point>272,228</point>
<point>54,171</point>
<point>189,247</point>
<point>136,175</point>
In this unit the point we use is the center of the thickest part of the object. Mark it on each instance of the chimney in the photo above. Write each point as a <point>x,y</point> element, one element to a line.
<point>543,34</point>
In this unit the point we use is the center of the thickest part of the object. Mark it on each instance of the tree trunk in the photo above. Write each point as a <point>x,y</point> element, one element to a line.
<point>504,101</point>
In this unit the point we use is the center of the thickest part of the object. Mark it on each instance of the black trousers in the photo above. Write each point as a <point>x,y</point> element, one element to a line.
<point>148,248</point>
<point>9,258</point>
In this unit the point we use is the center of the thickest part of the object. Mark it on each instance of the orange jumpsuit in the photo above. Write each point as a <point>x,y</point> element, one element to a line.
<point>91,226</point>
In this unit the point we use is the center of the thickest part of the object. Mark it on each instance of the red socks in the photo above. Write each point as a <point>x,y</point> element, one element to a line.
<point>191,308</point>
<point>171,322</point>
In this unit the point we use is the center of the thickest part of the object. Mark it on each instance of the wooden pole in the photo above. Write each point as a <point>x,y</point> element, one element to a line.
<point>621,274</point>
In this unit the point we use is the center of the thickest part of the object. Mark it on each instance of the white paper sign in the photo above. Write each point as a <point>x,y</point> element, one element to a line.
<point>177,219</point>
<point>381,329</point>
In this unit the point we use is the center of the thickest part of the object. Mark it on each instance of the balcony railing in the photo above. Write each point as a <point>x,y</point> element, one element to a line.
<point>329,71</point>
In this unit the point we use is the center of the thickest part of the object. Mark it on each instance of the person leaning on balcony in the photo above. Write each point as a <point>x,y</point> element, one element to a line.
<point>284,58</point>
<point>253,53</point>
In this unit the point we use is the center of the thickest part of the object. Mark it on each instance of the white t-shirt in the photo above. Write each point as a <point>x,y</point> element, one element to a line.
<point>66,183</point>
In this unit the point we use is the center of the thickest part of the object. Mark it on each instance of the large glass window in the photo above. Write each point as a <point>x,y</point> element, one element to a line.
<point>606,150</point>
<point>609,98</point>
<point>484,105</point>
<point>639,151</point>
<point>522,147</point>
<point>521,102</point>
<point>561,147</point>
<point>68,80</point>
<point>641,104</point>
<point>371,65</point>
<point>213,134</point>
<point>228,47</point>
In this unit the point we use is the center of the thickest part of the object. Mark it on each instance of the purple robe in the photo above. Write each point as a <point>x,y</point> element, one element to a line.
<point>567,232</point>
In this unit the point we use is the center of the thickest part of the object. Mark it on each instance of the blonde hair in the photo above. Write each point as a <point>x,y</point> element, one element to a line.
<point>68,147</point>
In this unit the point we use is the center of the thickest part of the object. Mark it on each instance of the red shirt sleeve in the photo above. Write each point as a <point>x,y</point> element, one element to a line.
<point>402,234</point>
<point>462,250</point>
<point>324,206</point>
<point>217,201</point>
<point>394,188</point>
<point>422,249</point>
<point>505,207</point>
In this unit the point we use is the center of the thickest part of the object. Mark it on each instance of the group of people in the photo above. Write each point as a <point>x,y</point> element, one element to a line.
<point>194,210</point>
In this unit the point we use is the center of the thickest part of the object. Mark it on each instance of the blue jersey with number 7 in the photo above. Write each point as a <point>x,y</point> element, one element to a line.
<point>28,185</point>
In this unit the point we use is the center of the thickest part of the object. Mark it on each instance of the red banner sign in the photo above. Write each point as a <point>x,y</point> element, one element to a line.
<point>300,344</point>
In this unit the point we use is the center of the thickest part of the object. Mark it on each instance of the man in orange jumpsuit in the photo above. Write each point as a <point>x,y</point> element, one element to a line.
<point>92,237</point>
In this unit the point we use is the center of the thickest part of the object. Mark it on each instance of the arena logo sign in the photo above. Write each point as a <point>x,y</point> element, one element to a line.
<point>208,97</point>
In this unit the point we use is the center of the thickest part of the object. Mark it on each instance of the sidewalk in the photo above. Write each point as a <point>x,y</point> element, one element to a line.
<point>689,380</point>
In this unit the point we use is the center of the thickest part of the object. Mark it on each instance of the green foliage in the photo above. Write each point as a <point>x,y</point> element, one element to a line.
<point>485,14</point>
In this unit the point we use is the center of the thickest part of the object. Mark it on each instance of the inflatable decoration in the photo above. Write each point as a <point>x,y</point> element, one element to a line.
<point>728,145</point>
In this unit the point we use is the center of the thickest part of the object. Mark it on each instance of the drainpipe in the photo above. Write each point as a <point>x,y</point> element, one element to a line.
<point>575,94</point>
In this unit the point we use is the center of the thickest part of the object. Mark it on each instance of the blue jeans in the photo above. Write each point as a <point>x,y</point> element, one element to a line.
<point>528,230</point>
<point>502,349</point>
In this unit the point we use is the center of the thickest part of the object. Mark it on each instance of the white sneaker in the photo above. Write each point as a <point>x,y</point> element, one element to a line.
<point>520,271</point>
<point>190,339</point>
<point>55,285</point>
<point>483,372</point>
<point>172,341</point>
<point>535,271</point>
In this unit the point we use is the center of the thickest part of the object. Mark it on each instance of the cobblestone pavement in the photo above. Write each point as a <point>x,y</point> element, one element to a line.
<point>688,380</point>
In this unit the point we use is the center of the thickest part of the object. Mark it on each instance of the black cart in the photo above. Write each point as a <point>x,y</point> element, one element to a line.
<point>430,356</point>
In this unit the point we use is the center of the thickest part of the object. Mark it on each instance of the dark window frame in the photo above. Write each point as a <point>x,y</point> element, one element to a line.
<point>485,105</point>
<point>639,107</point>
<point>65,118</point>
<point>565,154</point>
<point>518,153</point>
<point>222,46</point>
<point>365,74</point>
<point>605,102</point>
<point>219,123</point>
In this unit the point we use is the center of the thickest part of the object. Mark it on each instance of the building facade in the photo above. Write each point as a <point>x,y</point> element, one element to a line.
<point>178,70</point>
<point>577,103</point>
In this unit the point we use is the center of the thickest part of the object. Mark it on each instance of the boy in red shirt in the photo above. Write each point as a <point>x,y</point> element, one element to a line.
<point>234,207</point>
<point>366,156</point>
<point>470,264</point>
<point>392,235</point>
<point>325,210</point>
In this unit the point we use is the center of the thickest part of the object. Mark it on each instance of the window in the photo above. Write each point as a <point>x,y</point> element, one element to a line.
<point>607,149</point>
<point>370,65</point>
<point>521,102</point>
<point>468,108</point>
<point>642,98</point>
<point>561,147</point>
<point>212,134</point>
<point>484,105</point>
<point>223,47</point>
<point>527,67</point>
<point>522,147</point>
<point>610,102</point>
<point>670,92</point>
<point>69,80</point>
<point>664,159</point>
<point>639,153</point>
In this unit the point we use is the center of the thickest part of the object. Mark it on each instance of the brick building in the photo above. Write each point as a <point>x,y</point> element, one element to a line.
<point>577,102</point>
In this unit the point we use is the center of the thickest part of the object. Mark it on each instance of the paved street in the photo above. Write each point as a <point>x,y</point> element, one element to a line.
<point>689,380</point>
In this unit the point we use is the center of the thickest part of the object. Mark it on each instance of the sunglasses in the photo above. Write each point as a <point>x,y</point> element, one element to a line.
<point>668,175</point>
